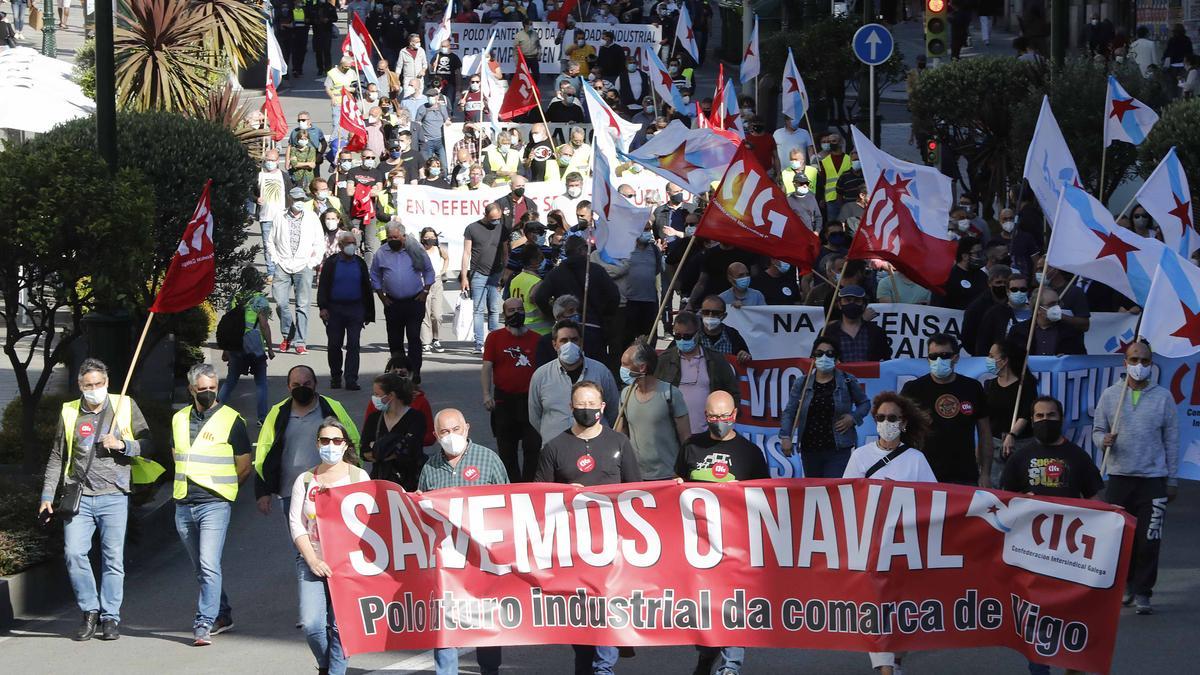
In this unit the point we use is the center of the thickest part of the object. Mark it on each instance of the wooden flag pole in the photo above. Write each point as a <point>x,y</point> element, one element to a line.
<point>129,373</point>
<point>670,289</point>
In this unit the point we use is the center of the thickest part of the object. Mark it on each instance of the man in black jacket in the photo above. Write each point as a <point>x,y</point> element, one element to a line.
<point>859,340</point>
<point>346,303</point>
<point>515,204</point>
<point>570,278</point>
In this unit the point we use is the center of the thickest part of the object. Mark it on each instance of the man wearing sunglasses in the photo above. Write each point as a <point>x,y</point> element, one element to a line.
<point>998,320</point>
<point>696,371</point>
<point>959,444</point>
<point>719,454</point>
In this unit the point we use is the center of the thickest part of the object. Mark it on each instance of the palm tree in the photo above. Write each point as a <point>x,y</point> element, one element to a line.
<point>160,59</point>
<point>225,107</point>
<point>236,30</point>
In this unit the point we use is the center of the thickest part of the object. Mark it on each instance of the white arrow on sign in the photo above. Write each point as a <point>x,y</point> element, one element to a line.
<point>873,40</point>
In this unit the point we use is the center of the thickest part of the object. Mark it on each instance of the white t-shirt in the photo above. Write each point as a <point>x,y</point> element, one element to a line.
<point>910,466</point>
<point>302,511</point>
<point>786,141</point>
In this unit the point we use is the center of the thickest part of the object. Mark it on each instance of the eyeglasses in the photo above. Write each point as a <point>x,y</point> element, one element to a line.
<point>326,440</point>
<point>711,312</point>
<point>1018,289</point>
<point>684,336</point>
<point>941,355</point>
<point>889,418</point>
<point>824,352</point>
<point>718,416</point>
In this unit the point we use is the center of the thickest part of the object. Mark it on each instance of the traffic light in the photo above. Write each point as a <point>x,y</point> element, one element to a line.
<point>933,152</point>
<point>936,28</point>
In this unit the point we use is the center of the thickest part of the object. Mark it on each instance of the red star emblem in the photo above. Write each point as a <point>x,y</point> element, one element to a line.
<point>1190,330</point>
<point>612,121</point>
<point>1115,246</point>
<point>749,52</point>
<point>893,191</point>
<point>690,37</point>
<point>1120,106</point>
<point>993,509</point>
<point>677,162</point>
<point>666,78</point>
<point>1182,211</point>
<point>793,84</point>
<point>607,200</point>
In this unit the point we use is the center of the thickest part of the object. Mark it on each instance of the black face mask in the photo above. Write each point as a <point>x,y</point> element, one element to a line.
<point>1000,293</point>
<point>518,192</point>
<point>396,244</point>
<point>205,399</point>
<point>1047,431</point>
<point>515,320</point>
<point>839,240</point>
<point>586,417</point>
<point>303,395</point>
<point>854,311</point>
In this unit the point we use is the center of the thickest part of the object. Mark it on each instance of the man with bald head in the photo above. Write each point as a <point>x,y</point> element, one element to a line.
<point>669,218</point>
<point>460,463</point>
<point>720,455</point>
<point>739,294</point>
<point>515,204</point>
<point>1052,336</point>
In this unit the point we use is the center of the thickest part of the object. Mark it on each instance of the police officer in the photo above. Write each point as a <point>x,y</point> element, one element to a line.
<point>212,456</point>
<point>97,466</point>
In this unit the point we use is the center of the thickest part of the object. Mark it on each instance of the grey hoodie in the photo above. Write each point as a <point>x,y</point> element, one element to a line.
<point>1147,439</point>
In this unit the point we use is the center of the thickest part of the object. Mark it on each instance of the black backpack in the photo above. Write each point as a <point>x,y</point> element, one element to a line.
<point>231,329</point>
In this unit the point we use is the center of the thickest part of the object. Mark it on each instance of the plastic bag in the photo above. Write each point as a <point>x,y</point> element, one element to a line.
<point>464,318</point>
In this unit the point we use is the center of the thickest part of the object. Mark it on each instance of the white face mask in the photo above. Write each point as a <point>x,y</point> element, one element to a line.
<point>96,396</point>
<point>964,225</point>
<point>1007,225</point>
<point>574,192</point>
<point>453,445</point>
<point>888,431</point>
<point>1054,313</point>
<point>802,189</point>
<point>711,322</point>
<point>1138,371</point>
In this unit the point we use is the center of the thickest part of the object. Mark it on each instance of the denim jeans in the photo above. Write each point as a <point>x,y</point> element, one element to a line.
<point>343,328</point>
<point>435,147</point>
<point>238,363</point>
<point>18,7</point>
<point>482,284</point>
<point>110,513</point>
<point>825,463</point>
<point>316,616</point>
<point>265,226</point>
<point>591,660</point>
<point>731,659</point>
<point>446,660</point>
<point>202,528</point>
<point>287,287</point>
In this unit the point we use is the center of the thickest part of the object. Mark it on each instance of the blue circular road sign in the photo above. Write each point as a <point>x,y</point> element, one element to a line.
<point>873,44</point>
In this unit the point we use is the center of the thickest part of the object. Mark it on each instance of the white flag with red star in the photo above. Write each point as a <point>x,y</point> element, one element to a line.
<point>1171,318</point>
<point>795,96</point>
<point>751,63</point>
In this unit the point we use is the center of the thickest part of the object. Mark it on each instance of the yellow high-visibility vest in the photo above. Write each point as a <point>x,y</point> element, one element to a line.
<point>832,173</point>
<point>209,461</point>
<point>142,471</point>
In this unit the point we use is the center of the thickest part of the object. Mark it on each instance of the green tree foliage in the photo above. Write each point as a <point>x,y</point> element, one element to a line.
<point>183,154</point>
<point>74,238</point>
<point>968,106</point>
<point>1077,94</point>
<point>84,72</point>
<point>1178,127</point>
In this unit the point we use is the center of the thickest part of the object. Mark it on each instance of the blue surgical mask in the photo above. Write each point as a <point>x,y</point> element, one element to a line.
<point>941,368</point>
<point>1018,297</point>
<point>646,237</point>
<point>380,404</point>
<point>1041,278</point>
<point>330,453</point>
<point>686,346</point>
<point>991,366</point>
<point>628,376</point>
<point>569,354</point>
<point>785,267</point>
<point>824,363</point>
<point>742,283</point>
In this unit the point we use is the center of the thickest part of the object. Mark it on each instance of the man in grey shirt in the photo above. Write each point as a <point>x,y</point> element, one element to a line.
<point>104,461</point>
<point>550,387</point>
<point>431,117</point>
<point>653,413</point>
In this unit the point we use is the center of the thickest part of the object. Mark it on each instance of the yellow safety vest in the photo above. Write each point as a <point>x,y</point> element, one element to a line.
<point>208,462</point>
<point>789,175</point>
<point>521,287</point>
<point>266,435</point>
<point>142,471</point>
<point>497,162</point>
<point>832,173</point>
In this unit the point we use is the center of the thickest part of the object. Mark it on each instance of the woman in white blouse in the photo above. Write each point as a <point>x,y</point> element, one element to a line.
<point>337,468</point>
<point>901,426</point>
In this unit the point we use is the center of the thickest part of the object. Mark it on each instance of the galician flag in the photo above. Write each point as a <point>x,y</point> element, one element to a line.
<point>435,33</point>
<point>362,57</point>
<point>611,132</point>
<point>1048,163</point>
<point>1171,316</point>
<point>618,220</point>
<point>795,96</point>
<point>1085,240</point>
<point>1167,198</point>
<point>1125,118</point>
<point>685,34</point>
<point>751,63</point>
<point>690,158</point>
<point>661,80</point>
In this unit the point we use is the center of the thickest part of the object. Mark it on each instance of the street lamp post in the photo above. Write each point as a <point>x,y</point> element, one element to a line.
<point>106,85</point>
<point>49,46</point>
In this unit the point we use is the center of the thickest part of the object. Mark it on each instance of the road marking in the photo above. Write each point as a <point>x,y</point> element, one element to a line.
<point>418,663</point>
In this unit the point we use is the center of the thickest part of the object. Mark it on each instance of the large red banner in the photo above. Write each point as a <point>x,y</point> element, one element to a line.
<point>816,564</point>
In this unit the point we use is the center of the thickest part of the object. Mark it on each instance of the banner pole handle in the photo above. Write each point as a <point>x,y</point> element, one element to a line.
<point>587,277</point>
<point>828,313</point>
<point>1128,205</point>
<point>538,98</point>
<point>129,373</point>
<point>670,289</point>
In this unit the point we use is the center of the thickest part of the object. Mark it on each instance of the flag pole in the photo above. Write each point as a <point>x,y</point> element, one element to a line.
<point>587,277</point>
<point>670,289</point>
<point>1128,205</point>
<point>1120,403</point>
<point>1033,322</point>
<point>129,373</point>
<point>537,97</point>
<point>1103,150</point>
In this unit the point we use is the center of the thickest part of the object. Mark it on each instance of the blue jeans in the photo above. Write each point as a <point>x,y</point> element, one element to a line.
<point>435,147</point>
<point>591,660</point>
<point>731,659</point>
<point>825,463</point>
<point>287,287</point>
<point>316,616</point>
<point>446,659</point>
<point>202,528</point>
<point>489,284</point>
<point>238,363</point>
<point>265,226</point>
<point>18,7</point>
<point>111,514</point>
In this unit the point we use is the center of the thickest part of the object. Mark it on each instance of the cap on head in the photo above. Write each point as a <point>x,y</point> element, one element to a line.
<point>852,291</point>
<point>297,193</point>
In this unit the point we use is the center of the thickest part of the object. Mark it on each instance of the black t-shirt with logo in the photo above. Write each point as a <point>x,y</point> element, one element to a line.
<point>539,154</point>
<point>606,459</point>
<point>1051,471</point>
<point>955,408</point>
<point>704,458</point>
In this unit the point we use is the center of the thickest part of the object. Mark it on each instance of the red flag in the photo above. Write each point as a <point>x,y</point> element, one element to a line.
<point>359,27</point>
<point>522,92</point>
<point>702,120</point>
<point>751,212</point>
<point>363,206</point>
<point>351,121</point>
<point>560,15</point>
<point>717,116</point>
<point>274,112</point>
<point>192,273</point>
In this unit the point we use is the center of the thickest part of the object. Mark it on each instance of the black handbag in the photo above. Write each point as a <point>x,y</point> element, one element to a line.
<point>72,493</point>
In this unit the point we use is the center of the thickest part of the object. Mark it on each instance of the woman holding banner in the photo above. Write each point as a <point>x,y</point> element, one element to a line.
<point>338,467</point>
<point>1006,360</point>
<point>825,420</point>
